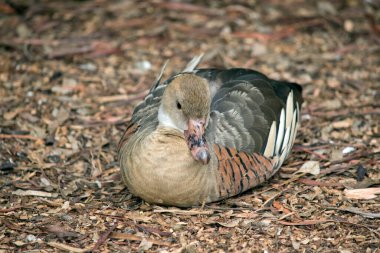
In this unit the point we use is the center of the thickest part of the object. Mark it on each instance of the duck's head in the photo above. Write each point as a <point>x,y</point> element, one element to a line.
<point>185,106</point>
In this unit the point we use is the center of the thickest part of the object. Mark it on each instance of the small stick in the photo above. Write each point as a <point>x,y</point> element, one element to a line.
<point>311,148</point>
<point>130,237</point>
<point>323,157</point>
<point>351,157</point>
<point>19,136</point>
<point>6,210</point>
<point>104,237</point>
<point>183,212</point>
<point>356,211</point>
<point>318,183</point>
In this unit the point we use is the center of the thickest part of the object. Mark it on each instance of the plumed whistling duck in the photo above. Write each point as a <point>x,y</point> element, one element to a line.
<point>208,134</point>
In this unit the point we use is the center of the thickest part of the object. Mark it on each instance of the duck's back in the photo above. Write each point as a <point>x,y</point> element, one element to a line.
<point>245,103</point>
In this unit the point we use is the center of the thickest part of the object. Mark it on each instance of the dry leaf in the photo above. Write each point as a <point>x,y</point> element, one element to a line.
<point>303,223</point>
<point>311,167</point>
<point>145,245</point>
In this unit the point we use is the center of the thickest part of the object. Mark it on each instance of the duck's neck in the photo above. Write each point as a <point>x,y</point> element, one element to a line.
<point>161,170</point>
<point>164,120</point>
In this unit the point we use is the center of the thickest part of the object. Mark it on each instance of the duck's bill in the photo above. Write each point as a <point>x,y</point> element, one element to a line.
<point>196,141</point>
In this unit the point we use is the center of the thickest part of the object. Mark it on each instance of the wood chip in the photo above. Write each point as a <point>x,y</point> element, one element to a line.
<point>368,193</point>
<point>35,193</point>
<point>69,248</point>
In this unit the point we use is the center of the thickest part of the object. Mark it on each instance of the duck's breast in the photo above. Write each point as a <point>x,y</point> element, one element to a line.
<point>160,169</point>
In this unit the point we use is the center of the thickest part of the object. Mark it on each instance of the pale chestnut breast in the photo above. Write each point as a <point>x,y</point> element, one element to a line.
<point>160,169</point>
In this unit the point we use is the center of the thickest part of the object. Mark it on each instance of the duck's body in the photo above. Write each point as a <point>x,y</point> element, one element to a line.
<point>208,134</point>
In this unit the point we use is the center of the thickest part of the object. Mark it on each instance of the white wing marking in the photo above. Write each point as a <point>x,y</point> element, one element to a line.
<point>279,144</point>
<point>269,149</point>
<point>281,131</point>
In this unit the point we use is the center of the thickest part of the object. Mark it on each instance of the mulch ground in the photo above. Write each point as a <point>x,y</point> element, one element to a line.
<point>71,73</point>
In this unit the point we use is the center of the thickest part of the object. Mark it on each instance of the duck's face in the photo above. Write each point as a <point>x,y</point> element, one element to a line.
<point>185,106</point>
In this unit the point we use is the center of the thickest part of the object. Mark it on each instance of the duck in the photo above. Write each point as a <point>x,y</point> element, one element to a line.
<point>205,135</point>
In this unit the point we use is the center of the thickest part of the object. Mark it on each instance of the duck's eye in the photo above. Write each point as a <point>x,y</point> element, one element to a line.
<point>179,106</point>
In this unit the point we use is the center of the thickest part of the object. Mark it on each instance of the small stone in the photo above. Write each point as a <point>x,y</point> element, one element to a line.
<point>88,66</point>
<point>144,65</point>
<point>347,150</point>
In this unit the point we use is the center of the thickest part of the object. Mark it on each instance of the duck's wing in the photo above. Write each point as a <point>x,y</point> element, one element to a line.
<point>252,113</point>
<point>252,126</point>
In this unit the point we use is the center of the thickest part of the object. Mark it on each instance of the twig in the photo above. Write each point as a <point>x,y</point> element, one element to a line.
<point>352,157</point>
<point>151,230</point>
<point>33,42</point>
<point>315,222</point>
<point>183,212</point>
<point>130,237</point>
<point>356,211</point>
<point>104,237</point>
<point>44,194</point>
<point>221,208</point>
<point>346,112</point>
<point>119,217</point>
<point>323,157</point>
<point>125,99</point>
<point>271,199</point>
<point>68,248</point>
<point>311,148</point>
<point>19,136</point>
<point>6,210</point>
<point>337,169</point>
<point>304,222</point>
<point>186,7</point>
<point>318,183</point>
<point>70,51</point>
<point>283,33</point>
<point>286,215</point>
